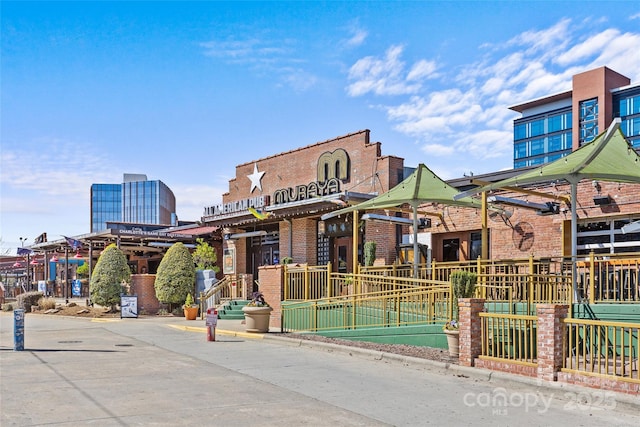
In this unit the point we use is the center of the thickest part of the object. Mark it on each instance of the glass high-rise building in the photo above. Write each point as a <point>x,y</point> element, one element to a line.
<point>137,200</point>
<point>553,126</point>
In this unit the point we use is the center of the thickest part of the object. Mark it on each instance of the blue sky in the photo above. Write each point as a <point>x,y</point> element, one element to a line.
<point>185,91</point>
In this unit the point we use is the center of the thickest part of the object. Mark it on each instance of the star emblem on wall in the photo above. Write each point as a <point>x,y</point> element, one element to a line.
<point>255,178</point>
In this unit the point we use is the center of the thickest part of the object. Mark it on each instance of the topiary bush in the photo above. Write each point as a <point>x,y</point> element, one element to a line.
<point>176,275</point>
<point>110,272</point>
<point>27,299</point>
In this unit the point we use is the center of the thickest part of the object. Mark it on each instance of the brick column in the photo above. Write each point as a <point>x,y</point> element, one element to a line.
<point>550,339</point>
<point>469,310</point>
<point>271,279</point>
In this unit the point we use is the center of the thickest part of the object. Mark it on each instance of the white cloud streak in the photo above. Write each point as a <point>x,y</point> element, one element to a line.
<point>467,118</point>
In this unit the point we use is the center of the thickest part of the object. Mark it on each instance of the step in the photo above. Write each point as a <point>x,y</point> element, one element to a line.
<point>232,310</point>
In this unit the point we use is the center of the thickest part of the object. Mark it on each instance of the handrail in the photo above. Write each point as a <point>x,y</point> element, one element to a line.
<point>418,305</point>
<point>221,291</point>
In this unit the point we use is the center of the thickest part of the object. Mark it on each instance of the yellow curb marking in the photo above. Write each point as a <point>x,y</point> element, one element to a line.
<point>218,331</point>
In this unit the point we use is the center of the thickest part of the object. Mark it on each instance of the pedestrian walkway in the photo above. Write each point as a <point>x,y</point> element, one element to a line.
<point>157,370</point>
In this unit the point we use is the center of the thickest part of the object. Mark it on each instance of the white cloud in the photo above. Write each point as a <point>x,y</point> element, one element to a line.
<point>423,69</point>
<point>591,46</point>
<point>387,76</point>
<point>358,36</point>
<point>468,118</point>
<point>192,199</point>
<point>438,150</point>
<point>265,57</point>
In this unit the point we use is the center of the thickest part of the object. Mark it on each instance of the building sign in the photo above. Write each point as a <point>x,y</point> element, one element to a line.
<point>143,233</point>
<point>332,169</point>
<point>309,191</point>
<point>237,206</point>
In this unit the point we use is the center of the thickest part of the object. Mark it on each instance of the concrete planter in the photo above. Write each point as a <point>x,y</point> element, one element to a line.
<point>453,342</point>
<point>257,318</point>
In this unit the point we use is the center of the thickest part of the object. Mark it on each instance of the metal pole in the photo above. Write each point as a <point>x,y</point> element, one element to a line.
<point>574,239</point>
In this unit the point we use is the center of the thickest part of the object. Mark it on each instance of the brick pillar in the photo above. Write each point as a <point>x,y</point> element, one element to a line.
<point>143,285</point>
<point>271,278</point>
<point>469,310</point>
<point>550,339</point>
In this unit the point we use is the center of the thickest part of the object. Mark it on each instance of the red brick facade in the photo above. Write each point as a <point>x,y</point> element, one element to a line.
<point>271,280</point>
<point>142,285</point>
<point>550,235</point>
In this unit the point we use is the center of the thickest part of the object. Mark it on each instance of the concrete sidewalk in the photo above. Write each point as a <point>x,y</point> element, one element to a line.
<point>162,371</point>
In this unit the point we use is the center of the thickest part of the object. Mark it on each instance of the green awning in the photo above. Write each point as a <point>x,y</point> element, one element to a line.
<point>609,157</point>
<point>421,187</point>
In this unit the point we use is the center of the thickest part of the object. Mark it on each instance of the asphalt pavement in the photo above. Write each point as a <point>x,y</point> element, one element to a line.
<point>162,371</point>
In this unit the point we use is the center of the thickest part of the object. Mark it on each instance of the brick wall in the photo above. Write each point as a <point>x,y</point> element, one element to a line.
<point>300,167</point>
<point>271,278</point>
<point>469,310</point>
<point>143,286</point>
<point>550,234</point>
<point>304,236</point>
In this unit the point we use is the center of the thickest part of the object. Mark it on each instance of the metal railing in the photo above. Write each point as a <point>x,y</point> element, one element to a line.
<point>601,348</point>
<point>614,278</point>
<point>509,337</point>
<point>231,287</point>
<point>399,307</point>
<point>609,278</point>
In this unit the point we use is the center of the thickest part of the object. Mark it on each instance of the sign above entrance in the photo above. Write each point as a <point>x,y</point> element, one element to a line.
<point>332,170</point>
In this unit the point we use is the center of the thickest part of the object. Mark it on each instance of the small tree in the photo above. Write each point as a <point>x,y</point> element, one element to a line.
<point>83,270</point>
<point>176,276</point>
<point>110,272</point>
<point>205,256</point>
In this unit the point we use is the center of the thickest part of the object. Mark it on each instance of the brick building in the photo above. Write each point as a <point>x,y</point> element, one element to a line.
<point>290,191</point>
<point>273,207</point>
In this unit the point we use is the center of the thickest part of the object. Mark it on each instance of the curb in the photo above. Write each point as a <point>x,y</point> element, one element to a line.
<point>225,332</point>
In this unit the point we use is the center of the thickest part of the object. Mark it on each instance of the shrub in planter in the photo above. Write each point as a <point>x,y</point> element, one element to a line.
<point>110,272</point>
<point>463,285</point>
<point>176,276</point>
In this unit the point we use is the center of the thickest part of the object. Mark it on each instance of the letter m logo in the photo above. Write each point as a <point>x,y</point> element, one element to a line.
<point>333,165</point>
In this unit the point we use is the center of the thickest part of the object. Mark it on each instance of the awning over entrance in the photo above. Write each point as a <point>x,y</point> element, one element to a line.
<point>421,187</point>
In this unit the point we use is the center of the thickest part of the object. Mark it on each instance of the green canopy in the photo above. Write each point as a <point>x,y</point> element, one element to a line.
<point>609,157</point>
<point>422,186</point>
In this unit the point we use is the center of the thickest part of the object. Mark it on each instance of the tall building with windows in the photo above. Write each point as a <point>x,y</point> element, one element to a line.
<point>553,126</point>
<point>137,200</point>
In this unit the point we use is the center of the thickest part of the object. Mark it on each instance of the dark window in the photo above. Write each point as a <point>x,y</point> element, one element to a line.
<point>451,250</point>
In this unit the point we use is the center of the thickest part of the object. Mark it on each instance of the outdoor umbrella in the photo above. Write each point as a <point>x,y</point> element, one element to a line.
<point>609,157</point>
<point>422,186</point>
